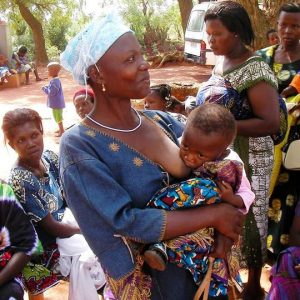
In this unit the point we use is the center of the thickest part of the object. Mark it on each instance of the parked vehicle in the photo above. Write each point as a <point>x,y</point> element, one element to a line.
<point>196,47</point>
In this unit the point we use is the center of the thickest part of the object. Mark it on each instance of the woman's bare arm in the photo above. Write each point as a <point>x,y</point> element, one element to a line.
<point>264,102</point>
<point>13,267</point>
<point>58,229</point>
<point>223,217</point>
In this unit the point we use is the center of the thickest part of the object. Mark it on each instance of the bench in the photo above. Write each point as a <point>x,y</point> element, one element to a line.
<point>14,80</point>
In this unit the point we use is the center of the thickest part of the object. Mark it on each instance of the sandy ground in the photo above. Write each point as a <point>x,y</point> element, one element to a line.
<point>33,97</point>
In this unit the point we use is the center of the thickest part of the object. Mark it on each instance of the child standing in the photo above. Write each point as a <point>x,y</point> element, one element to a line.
<point>55,96</point>
<point>209,131</point>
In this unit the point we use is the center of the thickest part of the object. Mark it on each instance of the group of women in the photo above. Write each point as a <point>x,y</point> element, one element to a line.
<point>114,161</point>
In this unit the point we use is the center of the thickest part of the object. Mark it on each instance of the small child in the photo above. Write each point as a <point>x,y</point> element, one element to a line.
<point>209,131</point>
<point>55,96</point>
<point>273,37</point>
<point>84,102</point>
<point>293,88</point>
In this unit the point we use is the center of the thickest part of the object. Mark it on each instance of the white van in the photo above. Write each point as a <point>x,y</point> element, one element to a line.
<point>196,47</point>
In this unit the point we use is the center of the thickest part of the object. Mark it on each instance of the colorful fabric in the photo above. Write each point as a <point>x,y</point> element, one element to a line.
<point>284,188</point>
<point>18,235</point>
<point>230,171</point>
<point>39,197</point>
<point>220,91</point>
<point>89,45</point>
<point>57,115</point>
<point>23,67</point>
<point>256,154</point>
<point>282,205</point>
<point>296,82</point>
<point>191,251</point>
<point>285,279</point>
<point>283,72</point>
<point>55,95</point>
<point>39,274</point>
<point>4,71</point>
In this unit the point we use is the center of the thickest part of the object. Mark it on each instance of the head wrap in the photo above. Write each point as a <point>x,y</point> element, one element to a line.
<point>84,92</point>
<point>89,45</point>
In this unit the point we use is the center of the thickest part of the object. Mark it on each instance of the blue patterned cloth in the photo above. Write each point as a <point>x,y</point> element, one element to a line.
<point>90,44</point>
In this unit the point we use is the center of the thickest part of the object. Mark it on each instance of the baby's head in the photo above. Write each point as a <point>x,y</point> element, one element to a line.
<point>273,37</point>
<point>209,130</point>
<point>53,69</point>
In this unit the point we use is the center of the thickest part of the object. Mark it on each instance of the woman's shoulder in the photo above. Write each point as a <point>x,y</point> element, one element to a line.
<point>166,120</point>
<point>254,70</point>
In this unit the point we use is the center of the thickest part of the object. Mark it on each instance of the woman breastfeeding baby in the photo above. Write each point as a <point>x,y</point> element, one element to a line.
<point>35,181</point>
<point>219,175</point>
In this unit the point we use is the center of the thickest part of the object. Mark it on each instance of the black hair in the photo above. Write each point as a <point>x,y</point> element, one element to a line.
<point>234,17</point>
<point>213,119</point>
<point>18,117</point>
<point>164,90</point>
<point>271,31</point>
<point>174,102</point>
<point>22,50</point>
<point>290,8</point>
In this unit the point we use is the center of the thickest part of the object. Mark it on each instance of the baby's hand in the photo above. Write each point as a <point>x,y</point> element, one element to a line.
<point>226,192</point>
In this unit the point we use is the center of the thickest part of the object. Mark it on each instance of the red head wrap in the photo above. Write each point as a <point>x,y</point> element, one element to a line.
<point>84,92</point>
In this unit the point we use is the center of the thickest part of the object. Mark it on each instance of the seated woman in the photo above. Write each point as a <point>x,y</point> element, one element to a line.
<point>18,241</point>
<point>6,69</point>
<point>34,178</point>
<point>84,102</point>
<point>22,65</point>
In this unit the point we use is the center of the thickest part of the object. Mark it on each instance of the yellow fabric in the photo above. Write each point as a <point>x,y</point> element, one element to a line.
<point>277,148</point>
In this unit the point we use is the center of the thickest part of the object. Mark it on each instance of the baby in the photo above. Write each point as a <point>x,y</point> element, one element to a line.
<point>209,131</point>
<point>55,96</point>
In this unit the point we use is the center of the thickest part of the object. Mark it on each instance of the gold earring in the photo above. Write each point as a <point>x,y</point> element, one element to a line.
<point>103,87</point>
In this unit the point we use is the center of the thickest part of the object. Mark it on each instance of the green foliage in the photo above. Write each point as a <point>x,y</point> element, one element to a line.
<point>153,22</point>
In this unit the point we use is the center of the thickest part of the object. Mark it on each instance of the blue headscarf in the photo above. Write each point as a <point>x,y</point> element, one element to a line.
<point>89,45</point>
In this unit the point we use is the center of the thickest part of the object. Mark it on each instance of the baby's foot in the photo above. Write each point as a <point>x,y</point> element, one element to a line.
<point>155,258</point>
<point>39,79</point>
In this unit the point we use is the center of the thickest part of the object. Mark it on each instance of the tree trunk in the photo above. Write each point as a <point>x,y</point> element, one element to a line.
<point>185,7</point>
<point>262,20</point>
<point>38,35</point>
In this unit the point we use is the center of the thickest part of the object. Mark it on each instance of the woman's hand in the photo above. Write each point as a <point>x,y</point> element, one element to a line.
<point>228,221</point>
<point>222,245</point>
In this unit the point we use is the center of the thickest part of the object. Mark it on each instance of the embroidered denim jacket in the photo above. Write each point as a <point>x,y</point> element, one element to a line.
<point>107,185</point>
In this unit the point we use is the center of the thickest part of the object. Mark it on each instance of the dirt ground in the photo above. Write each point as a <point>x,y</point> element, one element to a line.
<point>33,97</point>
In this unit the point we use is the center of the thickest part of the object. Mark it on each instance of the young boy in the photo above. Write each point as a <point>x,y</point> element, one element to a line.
<point>55,96</point>
<point>209,131</point>
<point>273,37</point>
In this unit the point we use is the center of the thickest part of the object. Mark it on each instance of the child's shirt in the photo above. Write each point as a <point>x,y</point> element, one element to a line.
<point>236,170</point>
<point>55,96</point>
<point>296,82</point>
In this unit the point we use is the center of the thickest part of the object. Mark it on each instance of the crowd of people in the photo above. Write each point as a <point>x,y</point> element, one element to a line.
<point>123,210</point>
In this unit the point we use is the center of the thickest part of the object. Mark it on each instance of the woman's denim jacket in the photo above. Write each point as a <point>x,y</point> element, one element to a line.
<point>107,185</point>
